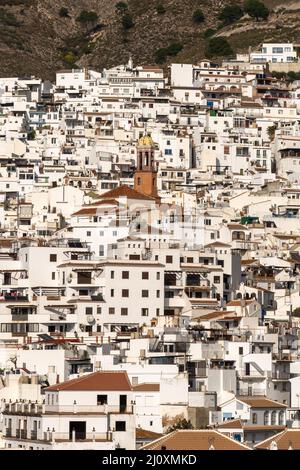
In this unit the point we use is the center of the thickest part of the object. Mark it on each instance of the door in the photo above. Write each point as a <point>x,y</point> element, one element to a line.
<point>123,403</point>
<point>80,430</point>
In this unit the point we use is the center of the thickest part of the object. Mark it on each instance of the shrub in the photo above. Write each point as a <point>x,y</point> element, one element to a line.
<point>121,7</point>
<point>161,55</point>
<point>160,9</point>
<point>86,17</point>
<point>198,16</point>
<point>7,18</point>
<point>172,50</point>
<point>127,21</point>
<point>69,58</point>
<point>230,13</point>
<point>256,9</point>
<point>208,32</point>
<point>63,12</point>
<point>218,47</point>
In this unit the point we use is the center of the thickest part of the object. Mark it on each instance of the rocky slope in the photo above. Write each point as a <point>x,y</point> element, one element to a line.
<point>35,39</point>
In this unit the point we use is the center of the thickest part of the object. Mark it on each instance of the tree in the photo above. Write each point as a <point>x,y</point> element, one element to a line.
<point>63,12</point>
<point>172,50</point>
<point>230,13</point>
<point>121,7</point>
<point>180,424</point>
<point>208,33</point>
<point>127,21</point>
<point>256,9</point>
<point>218,47</point>
<point>87,17</point>
<point>198,16</point>
<point>161,55</point>
<point>160,9</point>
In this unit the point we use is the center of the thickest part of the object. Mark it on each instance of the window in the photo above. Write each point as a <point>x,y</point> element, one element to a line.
<point>266,418</point>
<point>158,276</point>
<point>145,275</point>
<point>111,310</point>
<point>125,293</point>
<point>241,351</point>
<point>125,274</point>
<point>89,310</point>
<point>158,294</point>
<point>281,418</point>
<point>53,258</point>
<point>99,310</point>
<point>88,234</point>
<point>273,418</point>
<point>157,312</point>
<point>112,274</point>
<point>145,293</point>
<point>124,311</point>
<point>120,426</point>
<point>112,292</point>
<point>254,418</point>
<point>169,259</point>
<point>101,400</point>
<point>53,276</point>
<point>145,312</point>
<point>217,279</point>
<point>101,250</point>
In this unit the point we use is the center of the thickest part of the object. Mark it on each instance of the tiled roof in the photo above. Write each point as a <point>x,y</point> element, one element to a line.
<point>97,381</point>
<point>146,387</point>
<point>231,424</point>
<point>125,191</point>
<point>195,440</point>
<point>289,439</point>
<point>145,434</point>
<point>261,402</point>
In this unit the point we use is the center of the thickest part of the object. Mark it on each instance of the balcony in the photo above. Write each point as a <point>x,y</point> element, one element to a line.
<point>21,433</point>
<point>280,375</point>
<point>89,436</point>
<point>8,432</point>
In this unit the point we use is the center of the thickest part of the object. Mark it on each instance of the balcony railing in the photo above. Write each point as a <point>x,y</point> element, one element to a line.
<point>8,432</point>
<point>78,436</point>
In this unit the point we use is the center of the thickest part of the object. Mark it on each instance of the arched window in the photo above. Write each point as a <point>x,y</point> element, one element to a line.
<point>266,418</point>
<point>254,418</point>
<point>281,418</point>
<point>273,418</point>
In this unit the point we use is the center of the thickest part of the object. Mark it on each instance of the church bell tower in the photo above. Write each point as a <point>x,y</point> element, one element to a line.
<point>145,178</point>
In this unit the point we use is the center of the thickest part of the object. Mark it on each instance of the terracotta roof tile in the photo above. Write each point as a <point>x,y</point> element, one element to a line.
<point>261,402</point>
<point>146,387</point>
<point>97,381</point>
<point>285,440</point>
<point>195,440</point>
<point>125,191</point>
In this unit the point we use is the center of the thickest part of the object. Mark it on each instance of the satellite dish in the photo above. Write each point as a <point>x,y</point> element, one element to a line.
<point>90,319</point>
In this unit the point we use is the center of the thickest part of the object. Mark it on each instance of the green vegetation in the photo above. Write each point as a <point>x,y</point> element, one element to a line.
<point>74,48</point>
<point>208,33</point>
<point>230,13</point>
<point>8,19</point>
<point>87,17</point>
<point>127,21</point>
<point>198,16</point>
<point>180,424</point>
<point>218,46</point>
<point>173,49</point>
<point>160,9</point>
<point>63,12</point>
<point>121,7</point>
<point>256,9</point>
<point>31,135</point>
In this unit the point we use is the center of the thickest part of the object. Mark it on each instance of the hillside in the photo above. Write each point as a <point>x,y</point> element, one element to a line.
<point>37,38</point>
